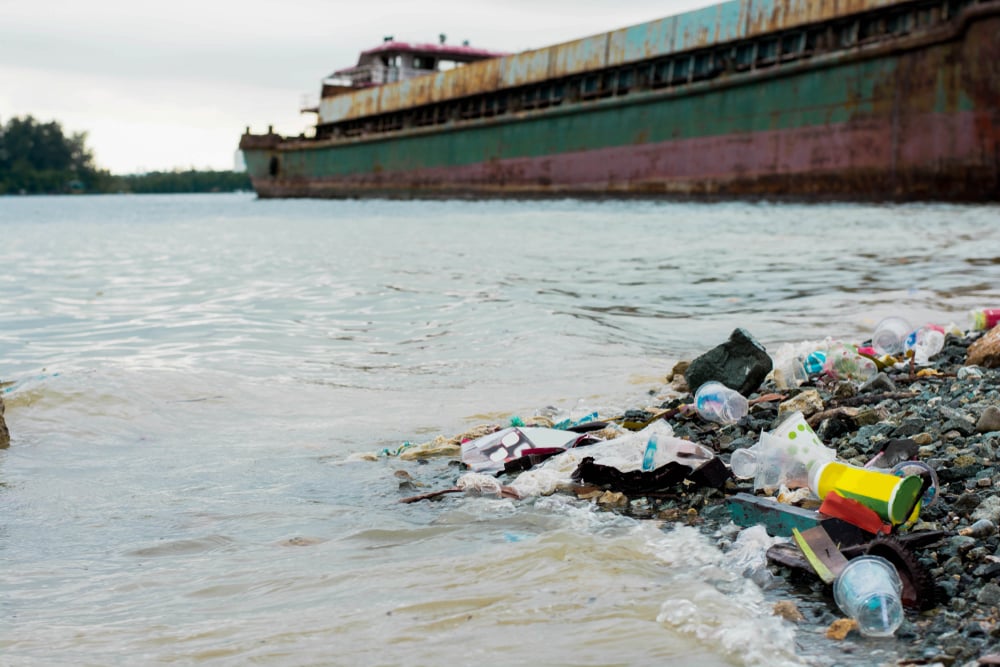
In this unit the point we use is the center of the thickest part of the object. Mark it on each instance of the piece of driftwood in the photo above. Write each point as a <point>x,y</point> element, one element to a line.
<point>430,495</point>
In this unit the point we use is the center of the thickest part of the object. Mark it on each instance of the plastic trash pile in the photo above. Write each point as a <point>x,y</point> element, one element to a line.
<point>854,526</point>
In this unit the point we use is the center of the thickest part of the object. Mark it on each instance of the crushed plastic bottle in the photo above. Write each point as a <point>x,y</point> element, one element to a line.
<point>924,342</point>
<point>662,448</point>
<point>718,403</point>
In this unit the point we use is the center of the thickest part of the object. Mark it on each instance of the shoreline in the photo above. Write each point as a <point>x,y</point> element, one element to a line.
<point>949,409</point>
<point>943,413</point>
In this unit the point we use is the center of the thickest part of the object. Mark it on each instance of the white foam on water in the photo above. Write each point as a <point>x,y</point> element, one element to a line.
<point>713,601</point>
<point>712,595</point>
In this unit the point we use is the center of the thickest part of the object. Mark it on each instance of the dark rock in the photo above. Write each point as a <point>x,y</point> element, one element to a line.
<point>907,631</point>
<point>989,421</point>
<point>845,389</point>
<point>960,544</point>
<point>987,570</point>
<point>963,426</point>
<point>957,473</point>
<point>741,363</point>
<point>834,427</point>
<point>989,595</point>
<point>879,383</point>
<point>953,566</point>
<point>897,450</point>
<point>949,588</point>
<point>989,508</point>
<point>977,554</point>
<point>4,433</point>
<point>737,443</point>
<point>908,427</point>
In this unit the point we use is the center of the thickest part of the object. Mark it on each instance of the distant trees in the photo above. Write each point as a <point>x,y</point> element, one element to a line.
<point>37,158</point>
<point>190,180</point>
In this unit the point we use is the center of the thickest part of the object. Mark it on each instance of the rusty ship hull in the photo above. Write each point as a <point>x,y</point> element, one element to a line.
<point>895,101</point>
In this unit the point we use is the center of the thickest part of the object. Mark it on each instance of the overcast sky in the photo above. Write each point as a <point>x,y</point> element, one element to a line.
<point>163,85</point>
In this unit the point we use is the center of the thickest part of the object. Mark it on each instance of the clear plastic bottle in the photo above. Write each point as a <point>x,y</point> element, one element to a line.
<point>718,403</point>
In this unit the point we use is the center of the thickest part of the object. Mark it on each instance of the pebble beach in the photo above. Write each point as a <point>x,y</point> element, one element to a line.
<point>950,408</point>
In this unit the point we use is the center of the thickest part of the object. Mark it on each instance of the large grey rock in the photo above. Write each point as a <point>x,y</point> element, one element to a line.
<point>988,509</point>
<point>989,421</point>
<point>989,595</point>
<point>741,363</point>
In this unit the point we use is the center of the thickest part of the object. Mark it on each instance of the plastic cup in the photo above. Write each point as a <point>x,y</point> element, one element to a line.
<point>892,498</point>
<point>782,457</point>
<point>868,590</point>
<point>771,463</point>
<point>795,429</point>
<point>890,334</point>
<point>716,402</point>
<point>743,462</point>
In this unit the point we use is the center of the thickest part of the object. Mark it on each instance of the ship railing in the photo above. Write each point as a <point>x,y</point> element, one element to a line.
<point>377,74</point>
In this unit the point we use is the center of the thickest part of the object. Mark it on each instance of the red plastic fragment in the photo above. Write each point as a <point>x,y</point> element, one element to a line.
<point>854,513</point>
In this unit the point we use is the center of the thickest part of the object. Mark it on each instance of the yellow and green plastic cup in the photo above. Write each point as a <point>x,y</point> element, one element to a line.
<point>892,498</point>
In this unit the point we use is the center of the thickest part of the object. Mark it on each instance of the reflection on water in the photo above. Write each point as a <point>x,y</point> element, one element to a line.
<point>190,375</point>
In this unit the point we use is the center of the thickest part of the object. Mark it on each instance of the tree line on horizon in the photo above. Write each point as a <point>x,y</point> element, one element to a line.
<point>39,158</point>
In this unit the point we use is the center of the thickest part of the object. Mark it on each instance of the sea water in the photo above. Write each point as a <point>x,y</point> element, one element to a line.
<point>189,377</point>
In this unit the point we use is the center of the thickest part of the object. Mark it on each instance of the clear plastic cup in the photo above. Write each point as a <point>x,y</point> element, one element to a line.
<point>868,590</point>
<point>782,457</point>
<point>716,402</point>
<point>890,334</point>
